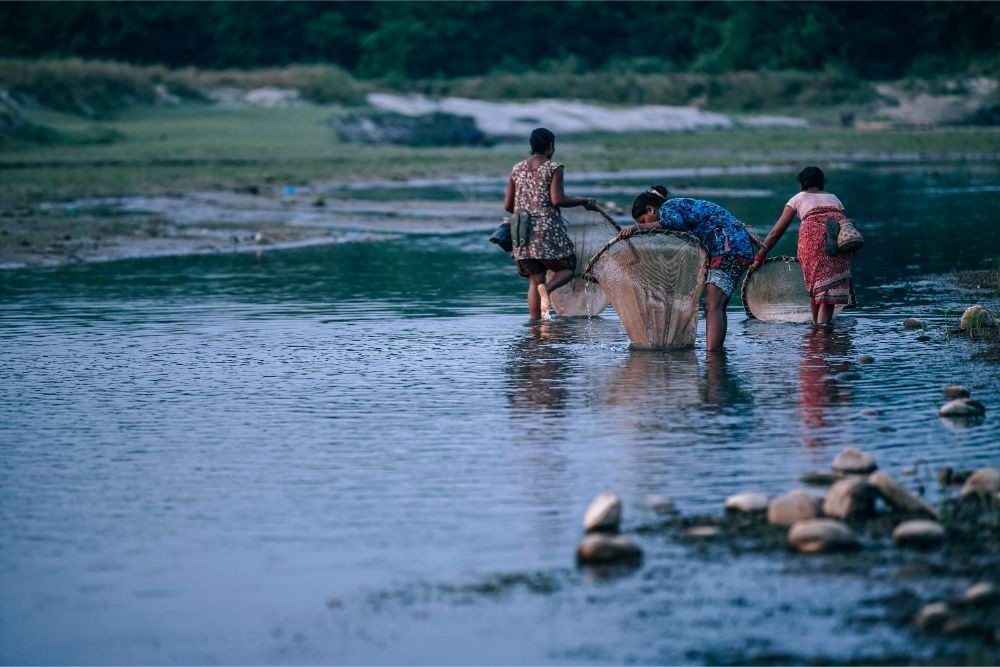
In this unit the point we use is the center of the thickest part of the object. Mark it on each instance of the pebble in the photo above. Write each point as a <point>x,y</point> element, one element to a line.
<point>603,514</point>
<point>913,323</point>
<point>853,461</point>
<point>701,532</point>
<point>866,359</point>
<point>821,535</point>
<point>918,533</point>
<point>820,478</point>
<point>746,503</point>
<point>602,548</point>
<point>850,498</point>
<point>985,481</point>
<point>793,506</point>
<point>932,617</point>
<point>982,593</point>
<point>955,391</point>
<point>661,504</point>
<point>871,412</point>
<point>977,317</point>
<point>962,407</point>
<point>899,496</point>
<point>949,477</point>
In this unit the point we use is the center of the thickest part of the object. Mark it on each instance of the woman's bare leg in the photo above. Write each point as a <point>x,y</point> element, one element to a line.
<point>824,313</point>
<point>558,279</point>
<point>715,317</point>
<point>534,299</point>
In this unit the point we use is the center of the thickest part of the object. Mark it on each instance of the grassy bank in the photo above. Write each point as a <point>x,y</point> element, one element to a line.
<point>163,149</point>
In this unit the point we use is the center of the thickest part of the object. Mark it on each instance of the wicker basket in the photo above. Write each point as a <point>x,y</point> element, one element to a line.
<point>849,239</point>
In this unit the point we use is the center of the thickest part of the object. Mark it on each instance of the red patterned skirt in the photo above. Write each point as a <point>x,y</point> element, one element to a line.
<point>827,278</point>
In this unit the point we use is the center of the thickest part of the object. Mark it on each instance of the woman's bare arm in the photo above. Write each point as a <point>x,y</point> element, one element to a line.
<point>559,197</point>
<point>773,236</point>
<point>508,198</point>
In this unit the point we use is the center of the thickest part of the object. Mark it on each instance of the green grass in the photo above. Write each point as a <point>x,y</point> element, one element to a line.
<point>194,146</point>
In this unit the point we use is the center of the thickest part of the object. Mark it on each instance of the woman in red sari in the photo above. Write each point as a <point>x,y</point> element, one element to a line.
<point>828,279</point>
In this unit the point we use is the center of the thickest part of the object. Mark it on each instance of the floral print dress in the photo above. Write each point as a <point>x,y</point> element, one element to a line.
<point>549,239</point>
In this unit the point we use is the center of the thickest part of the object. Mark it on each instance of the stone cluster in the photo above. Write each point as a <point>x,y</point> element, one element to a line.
<point>602,544</point>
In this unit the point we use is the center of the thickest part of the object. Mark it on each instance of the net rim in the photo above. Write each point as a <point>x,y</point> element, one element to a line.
<point>690,238</point>
<point>787,259</point>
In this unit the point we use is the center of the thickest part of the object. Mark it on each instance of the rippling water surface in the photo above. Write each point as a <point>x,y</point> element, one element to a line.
<point>364,453</point>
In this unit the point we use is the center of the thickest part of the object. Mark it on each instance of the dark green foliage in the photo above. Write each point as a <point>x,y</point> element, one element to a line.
<point>400,40</point>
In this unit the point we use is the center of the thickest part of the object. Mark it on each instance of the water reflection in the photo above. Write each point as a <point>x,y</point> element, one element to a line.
<point>821,385</point>
<point>539,370</point>
<point>723,387</point>
<point>659,380</point>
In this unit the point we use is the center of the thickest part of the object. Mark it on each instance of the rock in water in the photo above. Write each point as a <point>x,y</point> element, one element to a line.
<point>932,617</point>
<point>899,496</point>
<point>977,317</point>
<point>866,359</point>
<point>702,532</point>
<point>853,461</point>
<point>983,483</point>
<point>983,593</point>
<point>821,535</point>
<point>603,514</point>
<point>820,478</point>
<point>850,498</point>
<point>962,407</point>
<point>660,504</point>
<point>600,548</point>
<point>918,533</point>
<point>654,281</point>
<point>746,503</point>
<point>793,506</point>
<point>913,323</point>
<point>953,391</point>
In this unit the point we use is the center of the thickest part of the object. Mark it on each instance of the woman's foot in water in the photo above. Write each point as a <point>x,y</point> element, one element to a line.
<point>546,304</point>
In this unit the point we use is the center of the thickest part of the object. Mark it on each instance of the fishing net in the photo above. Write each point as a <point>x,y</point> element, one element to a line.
<point>776,292</point>
<point>589,230</point>
<point>654,281</point>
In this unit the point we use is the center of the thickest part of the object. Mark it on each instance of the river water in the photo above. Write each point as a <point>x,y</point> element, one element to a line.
<point>364,453</point>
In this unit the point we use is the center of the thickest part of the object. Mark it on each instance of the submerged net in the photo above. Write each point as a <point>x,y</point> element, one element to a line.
<point>589,230</point>
<point>654,280</point>
<point>776,292</point>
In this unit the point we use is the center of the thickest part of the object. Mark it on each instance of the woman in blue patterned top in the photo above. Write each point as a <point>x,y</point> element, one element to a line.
<point>730,250</point>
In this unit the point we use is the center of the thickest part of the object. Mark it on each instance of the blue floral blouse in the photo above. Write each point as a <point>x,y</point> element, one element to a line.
<point>717,229</point>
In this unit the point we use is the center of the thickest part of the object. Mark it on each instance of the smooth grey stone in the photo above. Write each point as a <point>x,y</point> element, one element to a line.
<point>793,506</point>
<point>853,461</point>
<point>866,359</point>
<point>953,391</point>
<point>850,498</point>
<point>918,533</point>
<point>932,617</point>
<point>913,323</point>
<point>962,407</point>
<point>746,503</point>
<point>983,592</point>
<point>976,317</point>
<point>602,548</point>
<point>983,482</point>
<point>899,496</point>
<point>702,532</point>
<point>603,514</point>
<point>820,478</point>
<point>821,535</point>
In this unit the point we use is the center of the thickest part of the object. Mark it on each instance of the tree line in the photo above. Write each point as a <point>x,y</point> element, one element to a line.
<point>872,40</point>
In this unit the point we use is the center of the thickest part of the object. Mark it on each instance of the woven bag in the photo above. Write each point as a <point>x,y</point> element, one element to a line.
<point>849,239</point>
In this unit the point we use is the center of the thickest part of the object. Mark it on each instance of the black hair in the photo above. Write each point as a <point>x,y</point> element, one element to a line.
<point>654,196</point>
<point>812,177</point>
<point>541,139</point>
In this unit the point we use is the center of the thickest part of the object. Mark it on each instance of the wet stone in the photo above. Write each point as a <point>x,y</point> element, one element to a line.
<point>913,323</point>
<point>918,533</point>
<point>661,504</point>
<point>977,317</point>
<point>866,359</point>
<point>603,514</point>
<point>792,507</point>
<point>853,461</point>
<point>983,593</point>
<point>871,412</point>
<point>954,391</point>
<point>821,536</point>
<point>933,617</point>
<point>702,532</point>
<point>899,496</point>
<point>922,338</point>
<point>602,548</point>
<point>746,503</point>
<point>983,483</point>
<point>820,478</point>
<point>963,407</point>
<point>850,498</point>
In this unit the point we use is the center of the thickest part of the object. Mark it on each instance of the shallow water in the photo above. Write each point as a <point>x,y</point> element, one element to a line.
<point>330,454</point>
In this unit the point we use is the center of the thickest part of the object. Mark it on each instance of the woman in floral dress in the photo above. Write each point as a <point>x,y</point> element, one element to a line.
<point>536,186</point>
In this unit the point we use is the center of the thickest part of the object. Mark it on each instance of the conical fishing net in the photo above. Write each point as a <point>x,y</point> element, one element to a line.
<point>654,281</point>
<point>589,230</point>
<point>776,292</point>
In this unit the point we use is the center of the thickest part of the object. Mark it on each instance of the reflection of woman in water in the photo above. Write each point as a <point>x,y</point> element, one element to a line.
<point>726,239</point>
<point>818,387</point>
<point>827,278</point>
<point>536,185</point>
